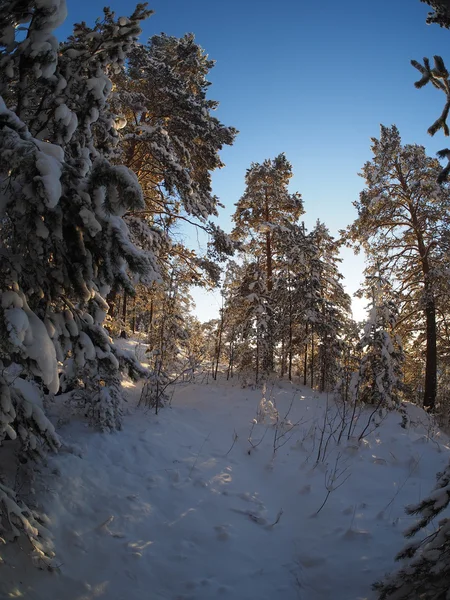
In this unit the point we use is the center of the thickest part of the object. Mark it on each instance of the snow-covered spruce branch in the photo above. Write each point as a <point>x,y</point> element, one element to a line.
<point>16,519</point>
<point>427,571</point>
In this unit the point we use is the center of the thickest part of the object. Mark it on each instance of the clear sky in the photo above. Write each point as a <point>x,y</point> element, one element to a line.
<point>311,79</point>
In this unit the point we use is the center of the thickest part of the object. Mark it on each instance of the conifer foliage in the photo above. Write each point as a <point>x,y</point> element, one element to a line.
<point>262,212</point>
<point>402,223</point>
<point>64,242</point>
<point>379,378</point>
<point>285,305</point>
<point>426,574</point>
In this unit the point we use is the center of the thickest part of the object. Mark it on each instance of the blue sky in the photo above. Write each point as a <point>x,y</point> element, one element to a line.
<point>311,79</point>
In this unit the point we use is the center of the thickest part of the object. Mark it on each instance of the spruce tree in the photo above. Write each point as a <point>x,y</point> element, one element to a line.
<point>379,378</point>
<point>64,241</point>
<point>426,574</point>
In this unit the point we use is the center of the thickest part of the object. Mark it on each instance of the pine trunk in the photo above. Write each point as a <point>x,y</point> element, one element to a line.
<point>305,362</point>
<point>430,393</point>
<point>219,345</point>
<point>133,320</point>
<point>290,328</point>
<point>257,359</point>
<point>429,399</point>
<point>123,333</point>
<point>269,274</point>
<point>112,303</point>
<point>290,348</point>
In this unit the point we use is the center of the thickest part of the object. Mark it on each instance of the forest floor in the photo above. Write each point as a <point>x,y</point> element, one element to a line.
<point>182,506</point>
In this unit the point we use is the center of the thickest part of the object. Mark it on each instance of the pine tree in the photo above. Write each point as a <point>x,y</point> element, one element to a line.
<point>438,76</point>
<point>171,139</point>
<point>440,14</point>
<point>263,210</point>
<point>402,221</point>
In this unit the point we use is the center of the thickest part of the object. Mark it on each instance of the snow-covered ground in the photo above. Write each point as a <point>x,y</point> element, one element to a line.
<point>182,506</point>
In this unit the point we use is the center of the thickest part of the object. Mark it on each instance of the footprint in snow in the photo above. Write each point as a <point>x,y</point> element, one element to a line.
<point>224,589</point>
<point>309,562</point>
<point>75,539</point>
<point>174,475</point>
<point>130,574</point>
<point>104,528</point>
<point>201,483</point>
<point>251,498</point>
<point>357,534</point>
<point>222,532</point>
<point>251,515</point>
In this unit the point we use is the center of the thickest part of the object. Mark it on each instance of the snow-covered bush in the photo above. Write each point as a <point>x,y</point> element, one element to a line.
<point>267,411</point>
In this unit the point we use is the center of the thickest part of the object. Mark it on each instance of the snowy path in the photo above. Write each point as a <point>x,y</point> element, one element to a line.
<point>161,511</point>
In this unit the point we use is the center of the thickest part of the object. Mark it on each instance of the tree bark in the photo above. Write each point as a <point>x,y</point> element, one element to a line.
<point>429,399</point>
<point>133,320</point>
<point>269,275</point>
<point>430,392</point>
<point>219,342</point>
<point>305,362</point>
<point>123,333</point>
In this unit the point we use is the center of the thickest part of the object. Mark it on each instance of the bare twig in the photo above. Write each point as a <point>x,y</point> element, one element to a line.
<point>198,454</point>
<point>235,437</point>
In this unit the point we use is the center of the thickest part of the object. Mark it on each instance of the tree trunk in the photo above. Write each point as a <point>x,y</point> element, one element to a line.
<point>219,343</point>
<point>150,324</point>
<point>133,320</point>
<point>305,362</point>
<point>429,399</point>
<point>290,328</point>
<point>269,275</point>
<point>112,302</point>
<point>123,333</point>
<point>230,362</point>
<point>290,348</point>
<point>257,359</point>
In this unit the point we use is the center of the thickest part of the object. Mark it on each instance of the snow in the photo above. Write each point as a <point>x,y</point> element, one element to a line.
<point>29,333</point>
<point>49,164</point>
<point>99,87</point>
<point>182,506</point>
